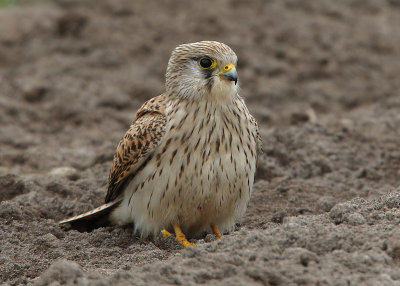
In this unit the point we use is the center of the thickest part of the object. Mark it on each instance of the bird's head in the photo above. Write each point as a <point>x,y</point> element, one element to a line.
<point>202,69</point>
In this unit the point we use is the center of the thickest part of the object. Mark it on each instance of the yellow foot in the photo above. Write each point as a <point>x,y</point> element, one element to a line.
<point>165,233</point>
<point>180,236</point>
<point>215,230</point>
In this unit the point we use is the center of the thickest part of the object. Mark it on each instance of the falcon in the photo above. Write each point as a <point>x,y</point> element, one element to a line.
<point>187,163</point>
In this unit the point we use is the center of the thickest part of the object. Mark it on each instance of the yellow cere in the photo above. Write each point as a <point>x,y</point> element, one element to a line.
<point>228,67</point>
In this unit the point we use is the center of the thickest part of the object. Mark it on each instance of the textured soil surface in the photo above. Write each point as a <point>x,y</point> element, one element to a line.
<point>321,78</point>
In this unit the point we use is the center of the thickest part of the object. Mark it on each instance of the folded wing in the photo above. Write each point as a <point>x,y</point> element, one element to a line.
<point>133,151</point>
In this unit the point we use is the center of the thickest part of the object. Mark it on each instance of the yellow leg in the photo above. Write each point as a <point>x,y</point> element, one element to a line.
<point>165,233</point>
<point>215,230</point>
<point>180,236</point>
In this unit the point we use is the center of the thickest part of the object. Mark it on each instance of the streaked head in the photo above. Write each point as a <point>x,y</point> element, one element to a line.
<point>200,69</point>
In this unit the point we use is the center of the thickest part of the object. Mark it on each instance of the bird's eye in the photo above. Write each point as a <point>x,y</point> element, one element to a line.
<point>207,63</point>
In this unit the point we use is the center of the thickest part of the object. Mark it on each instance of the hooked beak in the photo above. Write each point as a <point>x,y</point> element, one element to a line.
<point>229,72</point>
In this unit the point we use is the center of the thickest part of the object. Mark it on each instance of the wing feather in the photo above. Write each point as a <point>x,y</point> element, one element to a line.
<point>137,145</point>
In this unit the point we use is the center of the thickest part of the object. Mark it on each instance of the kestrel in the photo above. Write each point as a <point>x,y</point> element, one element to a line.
<point>187,162</point>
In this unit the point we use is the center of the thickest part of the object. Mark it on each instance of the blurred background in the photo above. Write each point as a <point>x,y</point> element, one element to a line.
<point>78,70</point>
<point>321,77</point>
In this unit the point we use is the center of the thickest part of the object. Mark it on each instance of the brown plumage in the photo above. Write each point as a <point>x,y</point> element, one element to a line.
<point>188,160</point>
<point>139,141</point>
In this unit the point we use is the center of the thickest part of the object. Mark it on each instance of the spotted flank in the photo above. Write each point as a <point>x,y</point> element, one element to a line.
<point>187,162</point>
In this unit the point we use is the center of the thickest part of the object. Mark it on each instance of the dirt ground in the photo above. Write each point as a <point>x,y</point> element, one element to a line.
<point>321,78</point>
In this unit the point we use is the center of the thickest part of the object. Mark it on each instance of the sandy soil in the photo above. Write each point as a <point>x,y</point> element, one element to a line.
<point>321,77</point>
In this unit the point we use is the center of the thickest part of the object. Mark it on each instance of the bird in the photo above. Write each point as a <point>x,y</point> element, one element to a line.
<point>188,160</point>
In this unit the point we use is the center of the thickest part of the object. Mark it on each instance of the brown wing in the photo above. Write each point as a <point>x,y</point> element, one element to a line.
<point>137,145</point>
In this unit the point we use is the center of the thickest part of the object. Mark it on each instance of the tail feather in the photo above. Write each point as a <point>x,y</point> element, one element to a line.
<point>92,219</point>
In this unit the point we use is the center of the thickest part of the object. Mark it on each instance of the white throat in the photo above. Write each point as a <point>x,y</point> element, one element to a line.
<point>223,90</point>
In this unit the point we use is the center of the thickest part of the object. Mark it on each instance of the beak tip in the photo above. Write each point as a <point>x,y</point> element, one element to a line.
<point>230,75</point>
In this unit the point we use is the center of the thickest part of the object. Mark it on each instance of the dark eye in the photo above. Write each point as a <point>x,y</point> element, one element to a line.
<point>205,63</point>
